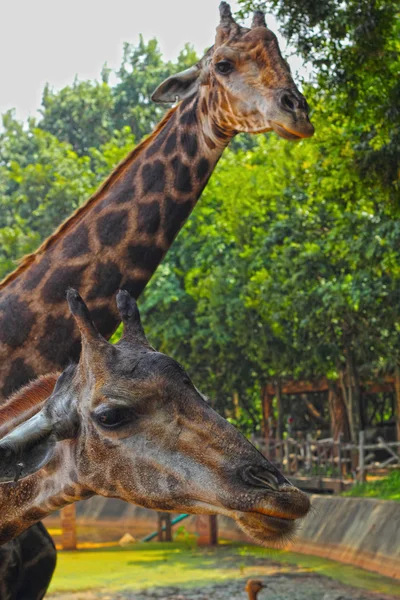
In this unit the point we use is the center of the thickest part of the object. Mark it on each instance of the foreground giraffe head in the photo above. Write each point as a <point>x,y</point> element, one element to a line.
<point>128,422</point>
<point>244,83</point>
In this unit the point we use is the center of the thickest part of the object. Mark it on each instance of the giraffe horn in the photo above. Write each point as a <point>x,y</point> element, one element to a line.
<point>226,15</point>
<point>81,314</point>
<point>128,309</point>
<point>258,19</point>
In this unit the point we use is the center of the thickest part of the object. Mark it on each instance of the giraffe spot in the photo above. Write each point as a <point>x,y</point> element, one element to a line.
<point>145,257</point>
<point>107,278</point>
<point>190,116</point>
<point>84,494</point>
<point>19,374</point>
<point>77,243</point>
<point>212,145</point>
<point>214,99</point>
<point>204,107</point>
<point>148,219</point>
<point>112,227</point>
<point>55,287</point>
<point>187,103</point>
<point>183,180</point>
<point>218,132</point>
<point>35,274</point>
<point>105,320</point>
<point>153,177</point>
<point>123,190</point>
<point>124,193</point>
<point>73,475</point>
<point>58,502</point>
<point>35,514</point>
<point>134,286</point>
<point>159,139</point>
<point>189,144</point>
<point>173,483</point>
<point>16,321</point>
<point>203,168</point>
<point>170,146</point>
<point>58,339</point>
<point>100,206</point>
<point>69,490</point>
<point>176,214</point>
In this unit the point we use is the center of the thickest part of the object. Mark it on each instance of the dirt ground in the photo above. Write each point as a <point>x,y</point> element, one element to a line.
<point>293,584</point>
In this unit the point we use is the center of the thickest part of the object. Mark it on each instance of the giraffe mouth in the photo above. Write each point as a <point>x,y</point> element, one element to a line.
<point>267,529</point>
<point>285,133</point>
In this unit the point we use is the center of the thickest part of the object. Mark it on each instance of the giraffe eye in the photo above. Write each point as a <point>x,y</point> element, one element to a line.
<point>224,67</point>
<point>113,417</point>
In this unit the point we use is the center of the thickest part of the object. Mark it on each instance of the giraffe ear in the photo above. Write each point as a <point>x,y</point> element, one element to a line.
<point>26,449</point>
<point>178,86</point>
<point>31,445</point>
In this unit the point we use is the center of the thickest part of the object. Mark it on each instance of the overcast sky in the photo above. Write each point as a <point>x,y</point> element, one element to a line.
<point>52,41</point>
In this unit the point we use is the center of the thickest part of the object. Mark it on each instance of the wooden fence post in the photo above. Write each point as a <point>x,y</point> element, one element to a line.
<point>361,456</point>
<point>308,454</point>
<point>68,527</point>
<point>164,520</point>
<point>213,530</point>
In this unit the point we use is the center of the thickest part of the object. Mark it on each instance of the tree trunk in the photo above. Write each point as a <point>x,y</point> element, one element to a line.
<point>236,407</point>
<point>278,394</point>
<point>68,527</point>
<point>351,395</point>
<point>338,413</point>
<point>268,413</point>
<point>397,401</point>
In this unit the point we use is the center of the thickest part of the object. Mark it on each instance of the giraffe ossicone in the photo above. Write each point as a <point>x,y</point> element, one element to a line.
<point>127,422</point>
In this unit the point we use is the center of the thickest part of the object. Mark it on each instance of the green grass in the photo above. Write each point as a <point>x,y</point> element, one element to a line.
<point>155,564</point>
<point>387,488</point>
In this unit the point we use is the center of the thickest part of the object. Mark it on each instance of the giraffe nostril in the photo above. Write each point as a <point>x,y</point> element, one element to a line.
<point>259,477</point>
<point>289,102</point>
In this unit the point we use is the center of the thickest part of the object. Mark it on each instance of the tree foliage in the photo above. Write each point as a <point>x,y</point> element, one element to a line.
<point>290,264</point>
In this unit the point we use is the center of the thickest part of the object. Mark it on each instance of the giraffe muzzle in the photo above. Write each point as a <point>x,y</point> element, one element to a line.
<point>293,122</point>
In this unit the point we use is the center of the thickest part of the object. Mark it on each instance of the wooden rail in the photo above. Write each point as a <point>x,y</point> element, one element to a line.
<point>328,464</point>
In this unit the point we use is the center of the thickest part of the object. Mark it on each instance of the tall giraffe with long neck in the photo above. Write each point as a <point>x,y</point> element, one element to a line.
<point>118,238</point>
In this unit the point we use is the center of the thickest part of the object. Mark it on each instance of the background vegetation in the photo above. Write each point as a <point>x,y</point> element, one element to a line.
<point>290,264</point>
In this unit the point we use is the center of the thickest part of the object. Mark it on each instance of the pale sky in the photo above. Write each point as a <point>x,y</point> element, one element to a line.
<point>52,41</point>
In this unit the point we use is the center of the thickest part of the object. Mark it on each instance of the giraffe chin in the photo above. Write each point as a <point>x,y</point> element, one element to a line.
<point>267,530</point>
<point>285,133</point>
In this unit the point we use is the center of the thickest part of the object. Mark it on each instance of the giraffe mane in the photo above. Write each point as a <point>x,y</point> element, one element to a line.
<point>26,402</point>
<point>27,260</point>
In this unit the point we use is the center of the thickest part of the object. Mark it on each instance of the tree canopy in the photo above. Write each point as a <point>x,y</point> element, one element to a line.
<point>290,265</point>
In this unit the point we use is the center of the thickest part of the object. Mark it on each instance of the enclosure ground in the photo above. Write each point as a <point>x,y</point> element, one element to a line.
<point>178,571</point>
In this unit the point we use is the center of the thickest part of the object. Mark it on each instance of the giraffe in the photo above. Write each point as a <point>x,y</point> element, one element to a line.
<point>127,422</point>
<point>119,236</point>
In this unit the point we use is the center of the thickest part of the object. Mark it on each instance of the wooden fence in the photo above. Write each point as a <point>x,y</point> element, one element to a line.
<point>329,458</point>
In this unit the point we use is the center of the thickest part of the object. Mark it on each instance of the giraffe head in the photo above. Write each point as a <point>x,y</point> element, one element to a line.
<point>135,427</point>
<point>244,82</point>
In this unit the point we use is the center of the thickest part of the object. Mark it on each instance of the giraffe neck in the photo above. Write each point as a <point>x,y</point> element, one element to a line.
<point>31,499</point>
<point>114,241</point>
